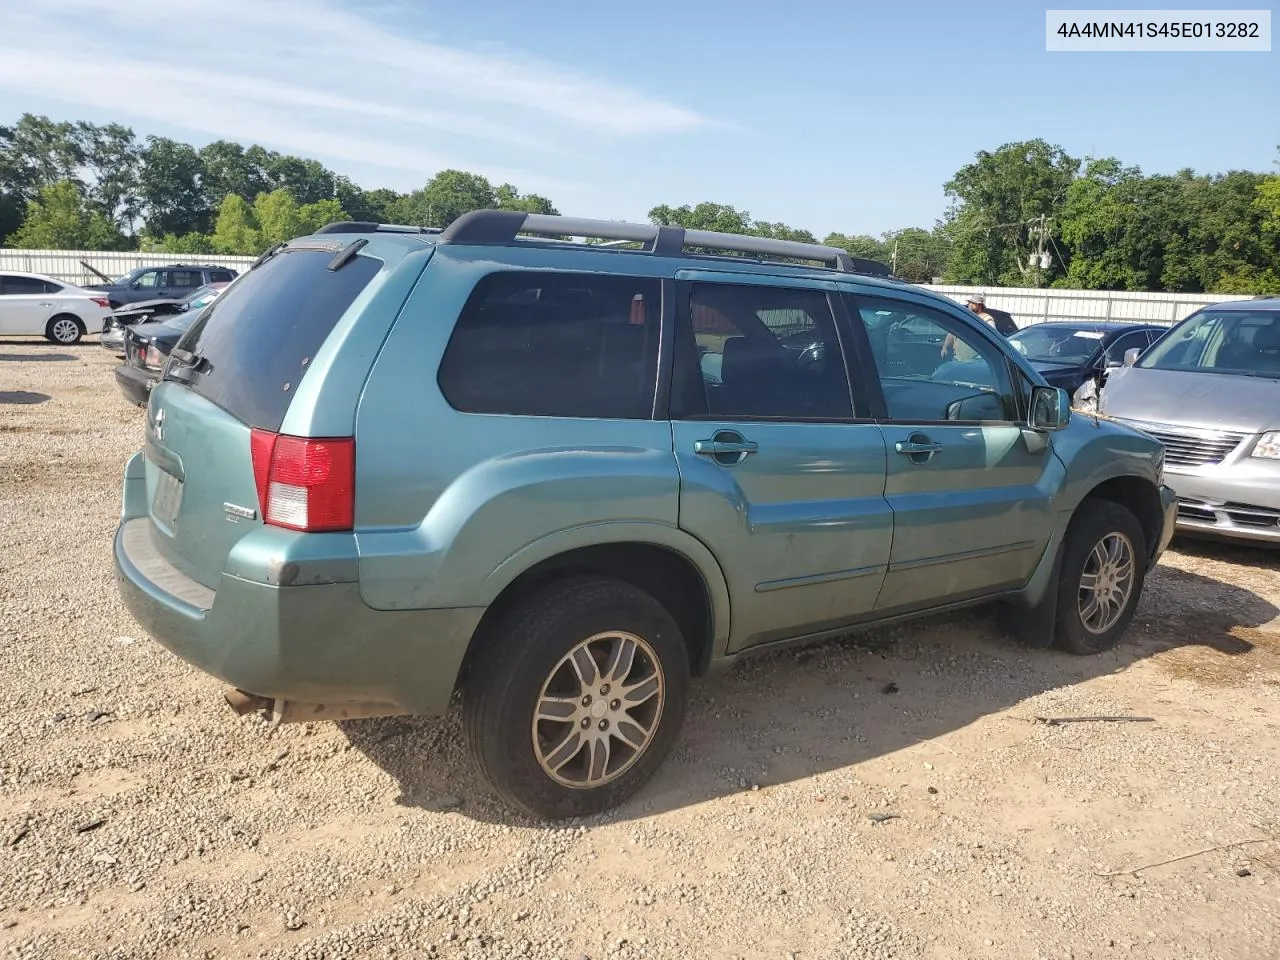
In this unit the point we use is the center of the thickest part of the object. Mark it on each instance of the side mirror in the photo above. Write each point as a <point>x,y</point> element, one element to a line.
<point>1131,356</point>
<point>134,284</point>
<point>1050,408</point>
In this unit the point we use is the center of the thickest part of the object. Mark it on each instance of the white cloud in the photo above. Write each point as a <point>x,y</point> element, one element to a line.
<point>310,77</point>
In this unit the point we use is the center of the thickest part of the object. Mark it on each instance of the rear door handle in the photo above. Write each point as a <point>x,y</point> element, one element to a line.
<point>727,448</point>
<point>913,447</point>
<point>711,448</point>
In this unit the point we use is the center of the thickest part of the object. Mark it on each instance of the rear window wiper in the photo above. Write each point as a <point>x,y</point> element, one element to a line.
<point>192,360</point>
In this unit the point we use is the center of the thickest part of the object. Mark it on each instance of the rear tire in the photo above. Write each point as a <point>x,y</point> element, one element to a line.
<point>64,329</point>
<point>576,696</point>
<point>1104,565</point>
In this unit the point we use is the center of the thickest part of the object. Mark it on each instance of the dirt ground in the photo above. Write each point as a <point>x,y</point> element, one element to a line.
<point>890,795</point>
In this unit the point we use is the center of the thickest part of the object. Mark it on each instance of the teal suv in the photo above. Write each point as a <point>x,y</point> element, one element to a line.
<point>390,465</point>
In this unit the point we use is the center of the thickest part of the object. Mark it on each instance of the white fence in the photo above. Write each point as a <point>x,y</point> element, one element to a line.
<point>1028,305</point>
<point>69,265</point>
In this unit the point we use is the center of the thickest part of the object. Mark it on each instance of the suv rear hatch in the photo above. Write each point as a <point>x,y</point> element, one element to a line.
<point>213,460</point>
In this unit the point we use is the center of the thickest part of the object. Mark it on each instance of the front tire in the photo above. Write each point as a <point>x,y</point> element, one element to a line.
<point>1104,565</point>
<point>64,329</point>
<point>576,697</point>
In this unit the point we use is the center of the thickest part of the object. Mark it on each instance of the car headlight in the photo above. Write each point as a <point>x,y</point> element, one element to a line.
<point>1268,446</point>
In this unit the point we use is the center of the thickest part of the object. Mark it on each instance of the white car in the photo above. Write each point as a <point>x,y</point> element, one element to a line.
<point>31,304</point>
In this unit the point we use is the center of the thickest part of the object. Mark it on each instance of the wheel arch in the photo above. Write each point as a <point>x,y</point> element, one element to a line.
<point>677,570</point>
<point>1137,495</point>
<point>65,315</point>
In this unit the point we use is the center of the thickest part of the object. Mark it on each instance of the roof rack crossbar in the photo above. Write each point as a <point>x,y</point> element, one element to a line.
<point>504,226</point>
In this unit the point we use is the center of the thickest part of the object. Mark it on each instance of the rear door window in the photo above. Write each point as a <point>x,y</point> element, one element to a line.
<point>763,352</point>
<point>556,345</point>
<point>253,343</point>
<point>185,279</point>
<point>21,286</point>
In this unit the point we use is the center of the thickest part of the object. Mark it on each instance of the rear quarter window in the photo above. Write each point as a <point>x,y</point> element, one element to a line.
<point>541,344</point>
<point>254,341</point>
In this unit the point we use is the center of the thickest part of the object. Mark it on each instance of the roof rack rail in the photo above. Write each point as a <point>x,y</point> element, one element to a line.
<point>368,226</point>
<point>502,227</point>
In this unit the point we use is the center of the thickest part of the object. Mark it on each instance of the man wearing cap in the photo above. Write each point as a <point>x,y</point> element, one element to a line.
<point>1002,321</point>
<point>998,320</point>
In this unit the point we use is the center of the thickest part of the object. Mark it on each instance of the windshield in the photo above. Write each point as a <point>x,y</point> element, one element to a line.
<point>1232,342</point>
<point>1059,343</point>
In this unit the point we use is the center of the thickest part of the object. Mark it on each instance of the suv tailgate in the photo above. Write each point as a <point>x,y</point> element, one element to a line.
<point>235,370</point>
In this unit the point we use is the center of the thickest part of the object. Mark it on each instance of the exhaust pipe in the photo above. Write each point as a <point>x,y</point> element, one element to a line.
<point>243,702</point>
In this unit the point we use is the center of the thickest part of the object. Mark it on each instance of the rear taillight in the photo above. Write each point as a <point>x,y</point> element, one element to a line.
<point>153,358</point>
<point>102,302</point>
<point>303,483</point>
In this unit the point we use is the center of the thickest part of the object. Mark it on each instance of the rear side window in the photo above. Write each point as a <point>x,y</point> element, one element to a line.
<point>254,342</point>
<point>555,345</point>
<point>221,276</point>
<point>22,286</point>
<point>185,278</point>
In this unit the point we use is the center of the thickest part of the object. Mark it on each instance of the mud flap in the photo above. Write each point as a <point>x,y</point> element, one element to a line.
<point>1035,626</point>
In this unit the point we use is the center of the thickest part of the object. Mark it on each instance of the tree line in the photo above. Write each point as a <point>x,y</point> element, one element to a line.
<point>1024,214</point>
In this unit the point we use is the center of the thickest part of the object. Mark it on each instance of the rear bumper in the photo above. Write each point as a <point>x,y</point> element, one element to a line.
<point>313,644</point>
<point>135,383</point>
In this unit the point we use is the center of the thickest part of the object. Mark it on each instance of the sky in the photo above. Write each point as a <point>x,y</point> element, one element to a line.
<point>830,115</point>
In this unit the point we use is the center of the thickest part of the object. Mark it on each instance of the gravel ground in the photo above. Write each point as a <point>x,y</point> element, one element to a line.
<point>891,795</point>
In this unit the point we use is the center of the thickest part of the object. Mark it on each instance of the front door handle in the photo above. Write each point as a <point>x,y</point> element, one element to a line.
<point>727,447</point>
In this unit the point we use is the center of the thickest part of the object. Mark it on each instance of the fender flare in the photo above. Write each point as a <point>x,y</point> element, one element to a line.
<point>661,535</point>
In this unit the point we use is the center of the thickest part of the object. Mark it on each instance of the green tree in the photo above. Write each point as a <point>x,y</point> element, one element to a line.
<point>313,216</point>
<point>995,200</point>
<point>60,219</point>
<point>859,245</point>
<point>236,229</point>
<point>36,153</point>
<point>171,188</point>
<point>507,197</point>
<point>780,231</point>
<point>277,216</point>
<point>191,243</point>
<point>114,159</point>
<point>229,169</point>
<point>717,217</point>
<point>307,181</point>
<point>446,197</point>
<point>372,205</point>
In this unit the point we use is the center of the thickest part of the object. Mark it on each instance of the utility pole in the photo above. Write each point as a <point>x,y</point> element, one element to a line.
<point>1038,257</point>
<point>894,267</point>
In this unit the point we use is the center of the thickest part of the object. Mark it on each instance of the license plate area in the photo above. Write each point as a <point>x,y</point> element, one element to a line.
<point>167,501</point>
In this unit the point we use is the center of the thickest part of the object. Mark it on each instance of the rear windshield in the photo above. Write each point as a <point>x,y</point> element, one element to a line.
<point>254,342</point>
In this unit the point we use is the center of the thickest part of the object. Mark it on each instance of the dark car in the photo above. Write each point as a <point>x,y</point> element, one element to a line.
<point>162,283</point>
<point>1005,323</point>
<point>126,316</point>
<point>1069,354</point>
<point>146,348</point>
